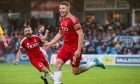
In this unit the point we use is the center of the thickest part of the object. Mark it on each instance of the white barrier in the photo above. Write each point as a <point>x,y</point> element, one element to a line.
<point>127,60</point>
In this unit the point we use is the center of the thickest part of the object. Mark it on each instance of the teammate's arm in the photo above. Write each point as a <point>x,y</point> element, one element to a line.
<point>18,56</point>
<point>58,36</point>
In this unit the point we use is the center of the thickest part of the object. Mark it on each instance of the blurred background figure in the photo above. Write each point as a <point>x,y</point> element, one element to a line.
<point>3,37</point>
<point>42,33</point>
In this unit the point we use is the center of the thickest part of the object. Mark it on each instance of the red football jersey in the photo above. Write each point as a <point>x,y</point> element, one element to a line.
<point>69,26</point>
<point>32,47</point>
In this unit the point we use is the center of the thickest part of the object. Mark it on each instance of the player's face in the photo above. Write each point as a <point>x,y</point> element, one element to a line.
<point>64,10</point>
<point>28,32</point>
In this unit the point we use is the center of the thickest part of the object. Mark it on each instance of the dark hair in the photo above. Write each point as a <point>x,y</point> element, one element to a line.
<point>27,27</point>
<point>65,3</point>
<point>39,26</point>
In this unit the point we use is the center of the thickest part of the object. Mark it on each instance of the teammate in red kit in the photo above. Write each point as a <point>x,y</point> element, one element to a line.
<point>31,44</point>
<point>71,31</point>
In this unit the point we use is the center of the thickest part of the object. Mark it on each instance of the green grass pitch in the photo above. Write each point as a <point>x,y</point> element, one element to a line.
<point>27,74</point>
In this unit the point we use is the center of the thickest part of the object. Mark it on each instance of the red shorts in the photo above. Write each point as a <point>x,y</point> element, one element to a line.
<point>39,63</point>
<point>66,54</point>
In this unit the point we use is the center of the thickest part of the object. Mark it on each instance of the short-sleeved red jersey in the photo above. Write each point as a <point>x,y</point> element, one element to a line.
<point>32,47</point>
<point>69,26</point>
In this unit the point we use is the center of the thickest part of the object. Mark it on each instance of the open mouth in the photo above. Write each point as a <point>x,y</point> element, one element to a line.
<point>62,13</point>
<point>28,35</point>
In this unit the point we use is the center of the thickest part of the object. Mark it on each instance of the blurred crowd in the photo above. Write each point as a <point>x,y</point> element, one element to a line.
<point>99,39</point>
<point>113,38</point>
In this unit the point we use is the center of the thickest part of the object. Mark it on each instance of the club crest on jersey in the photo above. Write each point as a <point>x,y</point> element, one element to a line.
<point>27,44</point>
<point>35,40</point>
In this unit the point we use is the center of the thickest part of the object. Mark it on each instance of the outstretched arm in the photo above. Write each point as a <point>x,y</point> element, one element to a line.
<point>58,36</point>
<point>18,56</point>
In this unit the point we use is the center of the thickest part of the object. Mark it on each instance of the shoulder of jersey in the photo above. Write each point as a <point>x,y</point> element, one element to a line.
<point>73,18</point>
<point>22,40</point>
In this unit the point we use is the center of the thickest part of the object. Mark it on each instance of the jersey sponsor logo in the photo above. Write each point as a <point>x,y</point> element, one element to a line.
<point>30,46</point>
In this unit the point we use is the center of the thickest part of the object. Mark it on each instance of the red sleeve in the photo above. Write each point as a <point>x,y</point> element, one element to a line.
<point>76,23</point>
<point>77,26</point>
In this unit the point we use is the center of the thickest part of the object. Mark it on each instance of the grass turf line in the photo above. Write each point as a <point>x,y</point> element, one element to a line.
<point>27,74</point>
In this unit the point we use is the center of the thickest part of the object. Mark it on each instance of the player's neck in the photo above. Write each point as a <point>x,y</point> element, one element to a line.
<point>68,15</point>
<point>29,37</point>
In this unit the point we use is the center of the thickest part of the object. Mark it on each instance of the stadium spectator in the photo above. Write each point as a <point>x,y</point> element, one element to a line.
<point>99,33</point>
<point>129,51</point>
<point>102,35</point>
